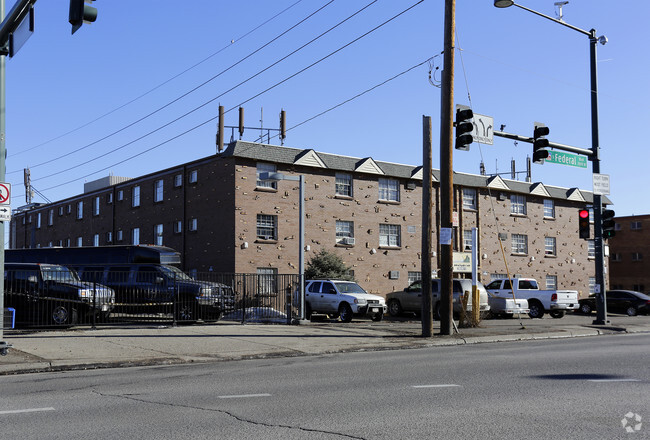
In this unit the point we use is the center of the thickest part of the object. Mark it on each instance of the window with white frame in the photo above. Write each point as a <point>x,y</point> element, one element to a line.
<point>267,280</point>
<point>50,217</point>
<point>135,236</point>
<point>519,244</point>
<point>469,198</point>
<point>158,190</point>
<point>549,246</point>
<point>120,195</point>
<point>96,206</point>
<point>263,167</point>
<point>344,232</point>
<point>389,190</point>
<point>467,240</point>
<point>549,208</point>
<point>80,210</point>
<point>592,285</point>
<point>498,276</point>
<point>194,224</point>
<point>194,176</point>
<point>109,198</point>
<point>389,235</point>
<point>178,180</point>
<point>80,241</point>
<point>178,227</point>
<point>120,235</point>
<point>135,196</point>
<point>69,209</point>
<point>635,226</point>
<point>343,185</point>
<point>60,210</point>
<point>96,240</point>
<point>68,242</point>
<point>637,256</point>
<point>38,220</point>
<point>158,235</point>
<point>551,282</point>
<point>109,237</point>
<point>518,204</point>
<point>414,276</point>
<point>591,249</point>
<point>267,227</point>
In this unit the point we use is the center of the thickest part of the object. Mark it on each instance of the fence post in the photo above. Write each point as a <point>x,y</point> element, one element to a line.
<point>288,300</point>
<point>174,301</point>
<point>94,313</point>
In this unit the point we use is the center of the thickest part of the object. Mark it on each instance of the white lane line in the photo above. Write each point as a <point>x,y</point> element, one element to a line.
<point>243,396</point>
<point>442,385</point>
<point>18,411</point>
<point>612,380</point>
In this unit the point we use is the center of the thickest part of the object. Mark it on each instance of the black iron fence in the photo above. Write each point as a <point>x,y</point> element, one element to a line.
<point>43,296</point>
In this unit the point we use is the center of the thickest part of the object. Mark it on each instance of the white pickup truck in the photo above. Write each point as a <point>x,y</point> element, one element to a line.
<point>555,302</point>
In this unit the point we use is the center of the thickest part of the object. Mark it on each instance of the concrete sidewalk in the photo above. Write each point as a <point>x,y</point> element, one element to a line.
<point>158,345</point>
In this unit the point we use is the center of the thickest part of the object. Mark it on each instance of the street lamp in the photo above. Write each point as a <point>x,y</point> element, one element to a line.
<point>274,177</point>
<point>601,304</point>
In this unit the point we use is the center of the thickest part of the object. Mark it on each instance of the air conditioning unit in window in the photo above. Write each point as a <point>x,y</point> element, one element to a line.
<point>348,241</point>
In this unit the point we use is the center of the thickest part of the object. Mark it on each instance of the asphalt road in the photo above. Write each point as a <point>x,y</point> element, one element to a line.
<point>578,388</point>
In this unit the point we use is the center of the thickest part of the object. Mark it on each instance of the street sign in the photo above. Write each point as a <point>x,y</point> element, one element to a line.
<point>601,184</point>
<point>5,193</point>
<point>463,262</point>
<point>563,158</point>
<point>483,129</point>
<point>5,213</point>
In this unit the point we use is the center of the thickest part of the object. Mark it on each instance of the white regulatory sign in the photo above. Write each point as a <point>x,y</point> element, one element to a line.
<point>483,129</point>
<point>601,184</point>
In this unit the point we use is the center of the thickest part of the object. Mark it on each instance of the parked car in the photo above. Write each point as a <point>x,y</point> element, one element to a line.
<point>554,302</point>
<point>619,301</point>
<point>410,299</point>
<point>50,294</point>
<point>343,299</point>
<point>507,307</point>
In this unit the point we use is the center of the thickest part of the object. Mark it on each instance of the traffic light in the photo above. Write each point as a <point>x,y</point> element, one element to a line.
<point>464,128</point>
<point>608,223</point>
<point>81,13</point>
<point>583,224</point>
<point>540,143</point>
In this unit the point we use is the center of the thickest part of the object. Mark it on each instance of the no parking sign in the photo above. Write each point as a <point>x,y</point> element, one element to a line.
<point>5,202</point>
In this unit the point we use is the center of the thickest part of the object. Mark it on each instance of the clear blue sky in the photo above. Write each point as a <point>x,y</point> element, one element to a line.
<point>71,99</point>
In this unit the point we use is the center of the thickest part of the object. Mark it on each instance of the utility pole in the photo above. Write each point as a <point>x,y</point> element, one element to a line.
<point>427,208</point>
<point>446,172</point>
<point>3,344</point>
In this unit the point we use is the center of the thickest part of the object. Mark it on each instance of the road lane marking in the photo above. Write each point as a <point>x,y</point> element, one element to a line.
<point>243,396</point>
<point>18,411</point>
<point>442,385</point>
<point>612,380</point>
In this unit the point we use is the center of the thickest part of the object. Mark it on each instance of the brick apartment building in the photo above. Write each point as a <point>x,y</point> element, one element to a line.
<point>629,269</point>
<point>221,218</point>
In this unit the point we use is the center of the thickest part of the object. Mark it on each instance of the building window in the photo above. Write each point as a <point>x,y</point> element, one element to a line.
<point>549,208</point>
<point>109,237</point>
<point>518,204</point>
<point>96,206</point>
<point>69,209</point>
<point>120,195</point>
<point>80,210</point>
<point>194,176</point>
<point>344,232</point>
<point>467,240</point>
<point>549,246</point>
<point>178,180</point>
<point>135,193</point>
<point>413,277</point>
<point>637,256</point>
<point>389,235</point>
<point>551,282</point>
<point>80,241</point>
<point>592,285</point>
<point>635,226</point>
<point>178,227</point>
<point>519,244</point>
<point>120,235</point>
<point>109,198</point>
<point>389,190</point>
<point>38,220</point>
<point>158,235</point>
<point>50,217</point>
<point>194,224</point>
<point>591,249</point>
<point>96,240</point>
<point>266,168</point>
<point>267,280</point>
<point>469,198</point>
<point>60,210</point>
<point>135,236</point>
<point>267,227</point>
<point>158,191</point>
<point>68,242</point>
<point>617,257</point>
<point>638,288</point>
<point>343,186</point>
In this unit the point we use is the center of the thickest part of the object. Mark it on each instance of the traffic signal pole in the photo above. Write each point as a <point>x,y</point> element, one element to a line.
<point>3,344</point>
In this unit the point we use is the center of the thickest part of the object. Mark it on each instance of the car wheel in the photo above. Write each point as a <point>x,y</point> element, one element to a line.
<point>394,307</point>
<point>186,311</point>
<point>585,308</point>
<point>631,311</point>
<point>62,314</point>
<point>345,312</point>
<point>536,309</point>
<point>378,316</point>
<point>557,314</point>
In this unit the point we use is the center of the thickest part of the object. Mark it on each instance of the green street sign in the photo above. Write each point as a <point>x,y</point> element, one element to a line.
<point>563,158</point>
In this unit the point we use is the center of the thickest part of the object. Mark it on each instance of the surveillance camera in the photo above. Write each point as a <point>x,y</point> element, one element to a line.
<point>602,40</point>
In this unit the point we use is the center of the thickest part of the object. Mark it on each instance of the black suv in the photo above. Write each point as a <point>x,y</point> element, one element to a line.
<point>49,294</point>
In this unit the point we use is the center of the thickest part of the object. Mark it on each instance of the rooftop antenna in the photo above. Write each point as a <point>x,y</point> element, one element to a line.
<point>559,6</point>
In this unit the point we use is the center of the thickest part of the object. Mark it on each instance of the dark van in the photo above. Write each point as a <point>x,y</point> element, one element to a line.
<point>49,294</point>
<point>143,277</point>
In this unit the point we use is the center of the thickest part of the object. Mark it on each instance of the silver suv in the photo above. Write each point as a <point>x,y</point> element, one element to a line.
<point>344,299</point>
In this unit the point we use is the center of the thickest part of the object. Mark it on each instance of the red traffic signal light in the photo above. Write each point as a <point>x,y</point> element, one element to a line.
<point>583,224</point>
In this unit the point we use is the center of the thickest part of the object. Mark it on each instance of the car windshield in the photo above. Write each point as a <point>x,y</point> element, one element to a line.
<point>175,272</point>
<point>350,288</point>
<point>59,273</point>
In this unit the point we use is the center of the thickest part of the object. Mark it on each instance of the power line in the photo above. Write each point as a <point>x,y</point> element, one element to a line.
<point>236,40</point>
